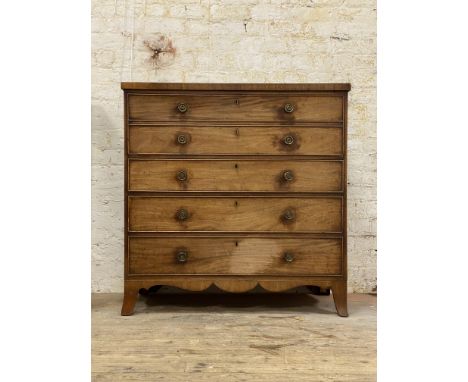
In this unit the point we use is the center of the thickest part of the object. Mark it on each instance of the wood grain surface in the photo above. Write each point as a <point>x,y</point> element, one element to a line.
<point>235,140</point>
<point>235,107</point>
<point>235,175</point>
<point>231,256</point>
<point>315,87</point>
<point>236,214</point>
<point>254,337</point>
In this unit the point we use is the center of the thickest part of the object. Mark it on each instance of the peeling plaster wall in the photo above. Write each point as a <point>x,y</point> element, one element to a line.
<point>231,41</point>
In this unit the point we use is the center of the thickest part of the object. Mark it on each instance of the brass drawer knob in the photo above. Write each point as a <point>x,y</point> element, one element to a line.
<point>288,108</point>
<point>182,176</point>
<point>288,175</point>
<point>182,214</point>
<point>182,139</point>
<point>288,257</point>
<point>182,256</point>
<point>288,140</point>
<point>289,215</point>
<point>182,107</point>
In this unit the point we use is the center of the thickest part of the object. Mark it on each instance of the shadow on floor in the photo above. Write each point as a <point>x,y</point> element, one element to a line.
<point>296,300</point>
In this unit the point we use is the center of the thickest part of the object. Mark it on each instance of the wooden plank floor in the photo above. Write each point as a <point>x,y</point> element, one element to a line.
<point>230,337</point>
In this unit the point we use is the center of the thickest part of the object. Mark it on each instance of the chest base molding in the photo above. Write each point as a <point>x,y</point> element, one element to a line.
<point>238,284</point>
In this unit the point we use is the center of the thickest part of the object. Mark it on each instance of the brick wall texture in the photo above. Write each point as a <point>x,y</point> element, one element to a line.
<point>231,41</point>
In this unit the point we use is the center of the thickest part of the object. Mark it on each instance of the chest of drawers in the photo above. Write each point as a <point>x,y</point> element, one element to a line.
<point>236,185</point>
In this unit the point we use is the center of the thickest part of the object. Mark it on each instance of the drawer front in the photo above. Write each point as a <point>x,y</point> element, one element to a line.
<point>235,256</point>
<point>235,175</point>
<point>235,140</point>
<point>248,108</point>
<point>235,214</point>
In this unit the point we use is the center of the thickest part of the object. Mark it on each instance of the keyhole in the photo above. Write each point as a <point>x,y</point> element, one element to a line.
<point>237,243</point>
<point>236,166</point>
<point>237,102</point>
<point>235,203</point>
<point>237,132</point>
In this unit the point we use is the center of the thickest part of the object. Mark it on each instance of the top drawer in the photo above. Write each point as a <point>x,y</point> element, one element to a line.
<point>281,107</point>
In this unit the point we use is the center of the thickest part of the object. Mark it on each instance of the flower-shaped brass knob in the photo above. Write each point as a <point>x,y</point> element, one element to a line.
<point>182,176</point>
<point>288,257</point>
<point>182,256</point>
<point>288,140</point>
<point>288,175</point>
<point>289,215</point>
<point>182,214</point>
<point>182,107</point>
<point>288,108</point>
<point>182,139</point>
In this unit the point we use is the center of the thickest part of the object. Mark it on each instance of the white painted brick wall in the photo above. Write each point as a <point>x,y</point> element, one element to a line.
<point>232,41</point>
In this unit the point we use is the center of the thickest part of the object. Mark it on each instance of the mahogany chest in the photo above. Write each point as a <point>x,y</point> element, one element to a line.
<point>236,185</point>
